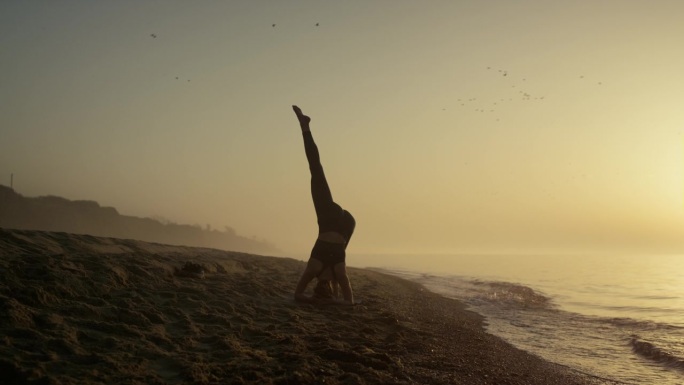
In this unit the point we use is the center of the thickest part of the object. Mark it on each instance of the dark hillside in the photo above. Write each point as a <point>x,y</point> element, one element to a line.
<point>51,213</point>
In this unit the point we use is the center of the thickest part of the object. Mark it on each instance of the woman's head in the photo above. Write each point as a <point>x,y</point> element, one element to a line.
<point>323,289</point>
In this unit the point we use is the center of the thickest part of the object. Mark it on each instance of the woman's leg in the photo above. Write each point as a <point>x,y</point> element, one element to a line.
<point>320,191</point>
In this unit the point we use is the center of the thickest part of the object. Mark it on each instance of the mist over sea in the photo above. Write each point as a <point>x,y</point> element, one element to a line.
<point>616,317</point>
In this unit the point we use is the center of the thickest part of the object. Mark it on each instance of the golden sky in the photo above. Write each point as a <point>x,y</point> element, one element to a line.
<point>444,126</point>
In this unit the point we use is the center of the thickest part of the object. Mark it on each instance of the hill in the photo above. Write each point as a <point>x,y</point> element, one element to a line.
<point>52,213</point>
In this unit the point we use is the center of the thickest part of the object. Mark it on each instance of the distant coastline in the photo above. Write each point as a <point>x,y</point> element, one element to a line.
<point>53,213</point>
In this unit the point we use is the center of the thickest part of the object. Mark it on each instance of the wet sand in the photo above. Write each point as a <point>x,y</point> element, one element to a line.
<point>76,309</point>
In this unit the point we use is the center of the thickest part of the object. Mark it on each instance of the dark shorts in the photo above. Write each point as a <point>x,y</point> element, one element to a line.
<point>330,254</point>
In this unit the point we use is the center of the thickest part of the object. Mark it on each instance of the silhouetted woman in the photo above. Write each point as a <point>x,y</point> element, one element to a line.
<point>335,225</point>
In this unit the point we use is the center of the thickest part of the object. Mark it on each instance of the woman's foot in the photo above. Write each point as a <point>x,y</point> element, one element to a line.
<point>303,119</point>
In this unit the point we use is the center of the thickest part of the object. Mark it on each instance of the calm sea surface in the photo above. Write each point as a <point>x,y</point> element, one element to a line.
<point>617,317</point>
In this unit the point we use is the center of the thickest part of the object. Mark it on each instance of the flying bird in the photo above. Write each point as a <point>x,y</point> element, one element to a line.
<point>153,36</point>
<point>273,25</point>
<point>316,24</point>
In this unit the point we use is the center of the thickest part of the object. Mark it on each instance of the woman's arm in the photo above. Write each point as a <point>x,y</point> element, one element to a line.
<point>343,279</point>
<point>335,289</point>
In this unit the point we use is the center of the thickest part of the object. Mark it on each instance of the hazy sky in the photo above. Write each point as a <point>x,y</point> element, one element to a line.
<point>444,126</point>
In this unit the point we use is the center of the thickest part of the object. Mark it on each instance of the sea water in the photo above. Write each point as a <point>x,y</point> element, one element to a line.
<point>615,317</point>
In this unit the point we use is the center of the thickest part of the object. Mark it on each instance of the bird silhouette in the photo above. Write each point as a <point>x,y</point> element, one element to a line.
<point>153,36</point>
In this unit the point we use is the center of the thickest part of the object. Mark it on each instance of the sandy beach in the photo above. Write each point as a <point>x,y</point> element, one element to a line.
<point>77,309</point>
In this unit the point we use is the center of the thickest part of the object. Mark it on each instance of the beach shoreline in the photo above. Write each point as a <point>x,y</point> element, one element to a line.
<point>77,309</point>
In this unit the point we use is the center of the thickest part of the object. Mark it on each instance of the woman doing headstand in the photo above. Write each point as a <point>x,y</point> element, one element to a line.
<point>335,225</point>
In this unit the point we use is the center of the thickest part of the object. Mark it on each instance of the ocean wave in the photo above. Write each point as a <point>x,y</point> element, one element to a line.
<point>640,324</point>
<point>513,294</point>
<point>505,294</point>
<point>656,354</point>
